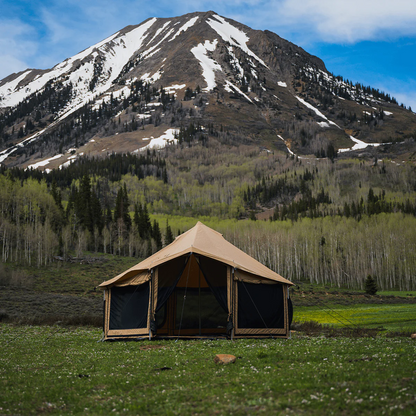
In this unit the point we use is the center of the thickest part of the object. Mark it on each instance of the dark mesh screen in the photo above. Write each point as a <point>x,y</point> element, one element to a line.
<point>169,275</point>
<point>129,307</point>
<point>199,308</point>
<point>215,274</point>
<point>260,306</point>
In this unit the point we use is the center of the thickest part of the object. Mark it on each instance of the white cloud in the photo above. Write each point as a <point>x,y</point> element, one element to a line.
<point>16,46</point>
<point>57,28</point>
<point>338,21</point>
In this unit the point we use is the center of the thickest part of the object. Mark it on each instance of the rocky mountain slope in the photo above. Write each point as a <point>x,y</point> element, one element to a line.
<point>185,78</point>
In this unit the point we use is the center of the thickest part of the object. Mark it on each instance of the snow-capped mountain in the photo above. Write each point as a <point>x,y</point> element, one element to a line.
<point>140,86</point>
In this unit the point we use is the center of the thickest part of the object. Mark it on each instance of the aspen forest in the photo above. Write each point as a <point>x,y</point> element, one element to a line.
<point>313,220</point>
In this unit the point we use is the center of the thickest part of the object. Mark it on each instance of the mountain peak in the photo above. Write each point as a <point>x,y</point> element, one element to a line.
<point>201,68</point>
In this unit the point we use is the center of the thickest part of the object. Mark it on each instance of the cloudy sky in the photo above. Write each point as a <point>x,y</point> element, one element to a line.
<point>368,41</point>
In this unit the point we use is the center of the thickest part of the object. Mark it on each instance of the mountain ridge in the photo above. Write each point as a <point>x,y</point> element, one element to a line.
<point>214,71</point>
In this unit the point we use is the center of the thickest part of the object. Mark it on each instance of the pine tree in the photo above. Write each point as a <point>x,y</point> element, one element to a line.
<point>157,235</point>
<point>121,210</point>
<point>169,235</point>
<point>370,285</point>
<point>146,225</point>
<point>83,203</point>
<point>149,248</point>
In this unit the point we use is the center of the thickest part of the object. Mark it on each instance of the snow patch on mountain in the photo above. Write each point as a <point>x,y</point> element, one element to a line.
<point>151,78</point>
<point>168,137</point>
<point>233,35</point>
<point>234,62</point>
<point>159,31</point>
<point>175,87</point>
<point>317,112</point>
<point>185,27</point>
<point>43,162</point>
<point>151,51</point>
<point>359,145</point>
<point>323,124</point>
<point>116,49</point>
<point>208,64</point>
<point>233,88</point>
<point>11,86</point>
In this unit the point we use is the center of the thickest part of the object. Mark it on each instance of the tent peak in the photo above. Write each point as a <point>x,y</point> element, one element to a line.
<point>203,240</point>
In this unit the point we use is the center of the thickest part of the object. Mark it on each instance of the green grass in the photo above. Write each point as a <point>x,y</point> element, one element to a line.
<point>78,277</point>
<point>392,317</point>
<point>402,293</point>
<point>58,370</point>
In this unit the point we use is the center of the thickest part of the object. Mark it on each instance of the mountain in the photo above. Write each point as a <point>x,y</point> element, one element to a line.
<point>187,77</point>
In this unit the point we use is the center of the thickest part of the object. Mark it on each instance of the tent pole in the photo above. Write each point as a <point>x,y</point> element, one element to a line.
<point>232,301</point>
<point>151,304</point>
<point>199,298</point>
<point>287,303</point>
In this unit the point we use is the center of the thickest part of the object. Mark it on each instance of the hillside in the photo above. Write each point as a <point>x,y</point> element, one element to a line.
<point>199,117</point>
<point>199,71</point>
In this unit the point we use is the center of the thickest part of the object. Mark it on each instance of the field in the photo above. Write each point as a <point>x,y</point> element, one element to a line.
<point>350,354</point>
<point>56,370</point>
<point>388,312</point>
<point>390,317</point>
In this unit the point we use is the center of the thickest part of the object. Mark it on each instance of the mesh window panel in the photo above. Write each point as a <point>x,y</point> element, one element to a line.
<point>169,275</point>
<point>199,307</point>
<point>129,307</point>
<point>260,306</point>
<point>215,274</point>
<point>161,316</point>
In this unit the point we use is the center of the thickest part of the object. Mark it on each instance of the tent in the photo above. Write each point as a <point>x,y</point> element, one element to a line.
<point>199,285</point>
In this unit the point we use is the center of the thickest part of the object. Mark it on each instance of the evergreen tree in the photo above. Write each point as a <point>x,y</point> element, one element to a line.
<point>145,229</point>
<point>149,248</point>
<point>108,217</point>
<point>121,210</point>
<point>169,235</point>
<point>157,235</point>
<point>83,204</point>
<point>370,285</point>
<point>136,216</point>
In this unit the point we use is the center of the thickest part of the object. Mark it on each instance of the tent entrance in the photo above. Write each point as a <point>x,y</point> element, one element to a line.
<point>197,304</point>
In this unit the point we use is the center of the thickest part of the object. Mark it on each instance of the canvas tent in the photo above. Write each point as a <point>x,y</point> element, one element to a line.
<point>199,285</point>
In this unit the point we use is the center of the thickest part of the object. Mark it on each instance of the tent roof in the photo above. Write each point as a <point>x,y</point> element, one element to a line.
<point>207,242</point>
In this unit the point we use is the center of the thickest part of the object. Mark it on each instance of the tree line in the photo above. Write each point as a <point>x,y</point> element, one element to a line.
<point>35,226</point>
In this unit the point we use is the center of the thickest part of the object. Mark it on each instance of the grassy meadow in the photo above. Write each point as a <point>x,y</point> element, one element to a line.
<point>326,367</point>
<point>388,317</point>
<point>64,370</point>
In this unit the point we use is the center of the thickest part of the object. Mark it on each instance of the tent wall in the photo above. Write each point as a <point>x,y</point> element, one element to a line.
<point>260,306</point>
<point>219,300</point>
<point>127,311</point>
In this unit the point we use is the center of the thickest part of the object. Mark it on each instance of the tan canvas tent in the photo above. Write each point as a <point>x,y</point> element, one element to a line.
<point>199,285</point>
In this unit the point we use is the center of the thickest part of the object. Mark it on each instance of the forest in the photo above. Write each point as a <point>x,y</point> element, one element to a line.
<point>328,222</point>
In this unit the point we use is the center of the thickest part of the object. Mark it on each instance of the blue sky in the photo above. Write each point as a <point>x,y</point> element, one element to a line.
<point>368,41</point>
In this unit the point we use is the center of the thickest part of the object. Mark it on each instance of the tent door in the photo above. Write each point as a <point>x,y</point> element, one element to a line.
<point>192,308</point>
